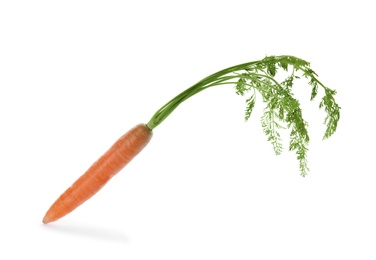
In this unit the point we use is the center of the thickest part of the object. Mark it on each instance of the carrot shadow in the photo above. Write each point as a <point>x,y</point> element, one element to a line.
<point>88,232</point>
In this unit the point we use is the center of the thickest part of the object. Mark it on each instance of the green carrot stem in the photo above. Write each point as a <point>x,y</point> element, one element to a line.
<point>170,106</point>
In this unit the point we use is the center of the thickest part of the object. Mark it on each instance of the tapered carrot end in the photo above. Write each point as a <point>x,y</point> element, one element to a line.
<point>48,218</point>
<point>45,220</point>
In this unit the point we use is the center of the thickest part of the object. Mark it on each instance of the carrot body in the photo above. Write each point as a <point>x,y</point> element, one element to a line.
<point>110,163</point>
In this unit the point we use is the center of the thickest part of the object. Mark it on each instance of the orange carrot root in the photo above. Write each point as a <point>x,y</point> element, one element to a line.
<point>109,164</point>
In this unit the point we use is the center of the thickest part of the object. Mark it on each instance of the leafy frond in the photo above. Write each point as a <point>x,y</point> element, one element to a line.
<point>332,110</point>
<point>250,105</point>
<point>270,127</point>
<point>282,109</point>
<point>241,86</point>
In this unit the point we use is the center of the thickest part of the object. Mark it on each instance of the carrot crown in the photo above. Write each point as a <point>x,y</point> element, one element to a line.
<point>282,110</point>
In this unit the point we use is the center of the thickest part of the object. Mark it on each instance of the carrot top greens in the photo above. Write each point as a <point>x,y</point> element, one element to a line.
<point>282,110</point>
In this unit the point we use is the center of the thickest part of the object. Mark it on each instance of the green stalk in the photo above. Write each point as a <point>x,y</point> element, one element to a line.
<point>171,105</point>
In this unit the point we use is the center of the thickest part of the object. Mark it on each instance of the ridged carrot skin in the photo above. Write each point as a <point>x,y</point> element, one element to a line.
<point>109,164</point>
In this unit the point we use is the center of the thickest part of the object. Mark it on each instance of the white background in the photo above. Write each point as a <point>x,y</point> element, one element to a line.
<point>75,75</point>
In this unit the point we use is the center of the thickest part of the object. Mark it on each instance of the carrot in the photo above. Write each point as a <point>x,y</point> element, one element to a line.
<point>282,111</point>
<point>110,163</point>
